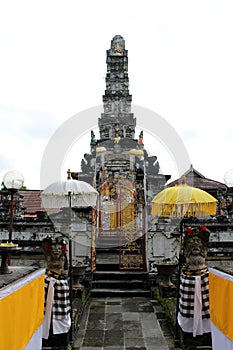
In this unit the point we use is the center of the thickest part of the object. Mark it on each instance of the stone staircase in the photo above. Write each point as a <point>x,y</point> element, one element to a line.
<point>109,280</point>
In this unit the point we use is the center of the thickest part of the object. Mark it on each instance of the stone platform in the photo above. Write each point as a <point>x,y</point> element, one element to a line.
<point>120,323</point>
<point>17,272</point>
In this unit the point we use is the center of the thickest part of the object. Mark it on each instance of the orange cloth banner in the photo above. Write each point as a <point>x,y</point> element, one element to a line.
<point>21,312</point>
<point>221,302</point>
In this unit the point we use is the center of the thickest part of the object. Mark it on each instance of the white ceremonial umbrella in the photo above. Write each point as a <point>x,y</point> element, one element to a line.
<point>69,194</point>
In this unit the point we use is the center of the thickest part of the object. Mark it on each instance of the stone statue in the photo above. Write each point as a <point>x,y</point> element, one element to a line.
<point>55,255</point>
<point>140,139</point>
<point>86,163</point>
<point>152,164</point>
<point>195,248</point>
<point>93,139</point>
<point>57,320</point>
<point>193,314</point>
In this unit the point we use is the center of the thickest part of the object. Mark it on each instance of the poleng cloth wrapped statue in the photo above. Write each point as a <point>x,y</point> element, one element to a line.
<point>193,315</point>
<point>57,301</point>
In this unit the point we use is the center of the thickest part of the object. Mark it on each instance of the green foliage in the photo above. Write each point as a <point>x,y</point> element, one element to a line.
<point>80,305</point>
<point>163,303</point>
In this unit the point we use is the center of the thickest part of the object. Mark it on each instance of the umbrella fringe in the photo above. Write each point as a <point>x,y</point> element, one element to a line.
<point>184,210</point>
<point>62,201</point>
<point>183,201</point>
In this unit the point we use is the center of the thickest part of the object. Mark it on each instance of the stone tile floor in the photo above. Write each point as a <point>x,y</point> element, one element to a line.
<point>115,323</point>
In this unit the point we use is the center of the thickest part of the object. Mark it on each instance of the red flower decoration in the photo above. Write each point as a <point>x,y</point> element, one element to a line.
<point>48,248</point>
<point>202,228</point>
<point>189,230</point>
<point>63,248</point>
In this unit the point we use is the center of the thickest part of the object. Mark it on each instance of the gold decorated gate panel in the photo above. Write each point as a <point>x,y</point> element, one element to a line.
<point>132,245</point>
<point>120,215</point>
<point>131,252</point>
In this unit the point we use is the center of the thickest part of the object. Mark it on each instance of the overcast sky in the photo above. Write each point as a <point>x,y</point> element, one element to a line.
<point>52,66</point>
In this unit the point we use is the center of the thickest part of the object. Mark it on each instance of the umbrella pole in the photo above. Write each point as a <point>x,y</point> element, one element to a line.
<point>70,271</point>
<point>180,263</point>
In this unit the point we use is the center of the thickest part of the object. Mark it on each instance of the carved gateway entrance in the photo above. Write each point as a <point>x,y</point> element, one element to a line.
<point>121,216</point>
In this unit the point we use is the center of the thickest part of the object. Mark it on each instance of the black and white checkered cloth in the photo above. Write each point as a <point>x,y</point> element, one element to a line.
<point>61,301</point>
<point>187,289</point>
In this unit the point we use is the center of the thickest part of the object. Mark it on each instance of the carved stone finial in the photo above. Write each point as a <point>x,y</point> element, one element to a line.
<point>68,174</point>
<point>93,139</point>
<point>118,44</point>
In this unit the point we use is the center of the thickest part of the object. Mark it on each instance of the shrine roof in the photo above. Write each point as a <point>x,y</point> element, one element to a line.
<point>195,179</point>
<point>31,201</point>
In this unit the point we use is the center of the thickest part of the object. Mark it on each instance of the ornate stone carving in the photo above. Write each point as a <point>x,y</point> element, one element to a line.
<point>55,255</point>
<point>195,248</point>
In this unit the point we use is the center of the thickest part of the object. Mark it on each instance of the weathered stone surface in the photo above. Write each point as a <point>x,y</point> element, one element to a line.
<point>135,327</point>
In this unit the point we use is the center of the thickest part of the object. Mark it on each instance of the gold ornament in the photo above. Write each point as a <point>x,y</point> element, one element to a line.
<point>117,48</point>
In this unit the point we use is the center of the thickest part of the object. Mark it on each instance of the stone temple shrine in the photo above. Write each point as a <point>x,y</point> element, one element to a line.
<point>121,170</point>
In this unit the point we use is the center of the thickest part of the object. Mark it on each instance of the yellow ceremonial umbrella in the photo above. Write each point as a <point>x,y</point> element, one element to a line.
<point>183,201</point>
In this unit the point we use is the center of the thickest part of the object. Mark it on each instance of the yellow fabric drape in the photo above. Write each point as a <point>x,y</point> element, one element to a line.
<point>221,304</point>
<point>21,314</point>
<point>117,216</point>
<point>127,215</point>
<point>116,211</point>
<point>113,212</point>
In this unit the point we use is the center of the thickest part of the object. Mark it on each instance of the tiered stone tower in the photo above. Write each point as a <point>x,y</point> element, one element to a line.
<point>120,168</point>
<point>117,121</point>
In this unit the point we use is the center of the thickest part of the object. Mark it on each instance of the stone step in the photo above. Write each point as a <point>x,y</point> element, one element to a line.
<point>109,280</point>
<point>103,292</point>
<point>120,275</point>
<point>110,265</point>
<point>119,284</point>
<point>106,258</point>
